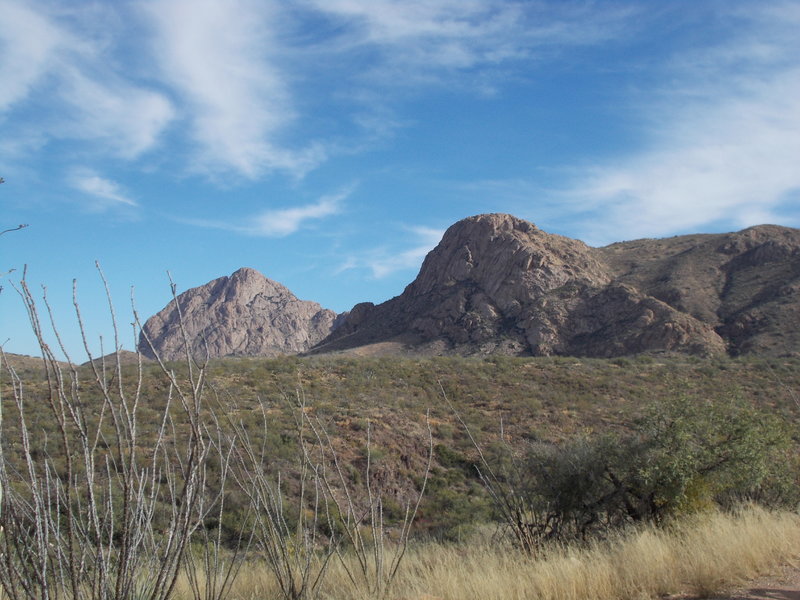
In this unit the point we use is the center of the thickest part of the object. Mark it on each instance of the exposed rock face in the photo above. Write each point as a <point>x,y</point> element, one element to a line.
<point>496,283</point>
<point>244,314</point>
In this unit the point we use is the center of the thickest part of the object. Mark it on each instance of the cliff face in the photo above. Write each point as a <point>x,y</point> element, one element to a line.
<point>244,314</point>
<point>496,283</point>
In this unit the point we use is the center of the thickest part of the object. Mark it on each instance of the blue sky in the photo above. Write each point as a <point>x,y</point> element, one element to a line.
<point>329,143</point>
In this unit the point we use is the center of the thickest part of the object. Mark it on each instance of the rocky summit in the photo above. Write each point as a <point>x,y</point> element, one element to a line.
<point>245,314</point>
<point>498,284</point>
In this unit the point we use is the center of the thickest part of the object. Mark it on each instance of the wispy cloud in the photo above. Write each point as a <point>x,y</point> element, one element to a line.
<point>28,42</point>
<point>389,49</point>
<point>236,79</point>
<point>126,119</point>
<point>221,59</point>
<point>419,37</point>
<point>102,193</point>
<point>42,56</point>
<point>279,222</point>
<point>724,141</point>
<point>384,261</point>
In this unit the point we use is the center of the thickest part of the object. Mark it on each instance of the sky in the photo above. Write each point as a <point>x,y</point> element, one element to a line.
<point>329,143</point>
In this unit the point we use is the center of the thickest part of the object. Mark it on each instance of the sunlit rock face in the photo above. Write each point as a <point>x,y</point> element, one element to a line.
<point>498,284</point>
<point>245,314</point>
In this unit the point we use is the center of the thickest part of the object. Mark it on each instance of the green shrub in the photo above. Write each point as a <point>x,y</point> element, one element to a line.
<point>683,456</point>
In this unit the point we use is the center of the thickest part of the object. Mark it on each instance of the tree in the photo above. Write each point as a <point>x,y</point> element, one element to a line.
<point>682,456</point>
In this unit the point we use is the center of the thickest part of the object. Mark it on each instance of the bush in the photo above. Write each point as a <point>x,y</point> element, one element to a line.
<point>692,453</point>
<point>683,456</point>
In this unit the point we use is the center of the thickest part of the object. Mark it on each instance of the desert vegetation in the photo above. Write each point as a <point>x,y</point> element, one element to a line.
<point>337,477</point>
<point>703,554</point>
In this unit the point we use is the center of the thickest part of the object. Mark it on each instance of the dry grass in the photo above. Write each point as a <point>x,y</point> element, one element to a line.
<point>704,554</point>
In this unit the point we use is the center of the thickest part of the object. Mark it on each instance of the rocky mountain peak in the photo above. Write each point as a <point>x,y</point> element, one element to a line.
<point>243,314</point>
<point>497,283</point>
<point>506,256</point>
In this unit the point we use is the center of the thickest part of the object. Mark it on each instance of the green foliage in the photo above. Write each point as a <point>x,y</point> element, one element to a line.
<point>684,455</point>
<point>724,448</point>
<point>454,505</point>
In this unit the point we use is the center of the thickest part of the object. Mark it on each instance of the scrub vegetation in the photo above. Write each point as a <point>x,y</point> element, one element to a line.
<point>342,477</point>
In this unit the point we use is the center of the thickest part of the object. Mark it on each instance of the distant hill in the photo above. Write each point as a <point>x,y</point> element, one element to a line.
<point>245,314</point>
<point>126,357</point>
<point>497,284</point>
<point>20,362</point>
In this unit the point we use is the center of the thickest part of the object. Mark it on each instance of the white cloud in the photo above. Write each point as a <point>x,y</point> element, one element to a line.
<point>103,193</point>
<point>220,57</point>
<point>128,120</point>
<point>389,49</point>
<point>44,58</point>
<point>390,21</point>
<point>27,44</point>
<point>241,74</point>
<point>724,144</point>
<point>419,36</point>
<point>279,222</point>
<point>383,262</point>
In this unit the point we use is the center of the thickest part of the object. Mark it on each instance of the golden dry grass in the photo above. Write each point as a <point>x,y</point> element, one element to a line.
<point>703,554</point>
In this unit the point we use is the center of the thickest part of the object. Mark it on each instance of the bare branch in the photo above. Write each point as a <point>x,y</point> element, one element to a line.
<point>17,228</point>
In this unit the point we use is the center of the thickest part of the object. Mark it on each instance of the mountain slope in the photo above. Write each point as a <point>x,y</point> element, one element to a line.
<point>245,314</point>
<point>744,284</point>
<point>498,284</point>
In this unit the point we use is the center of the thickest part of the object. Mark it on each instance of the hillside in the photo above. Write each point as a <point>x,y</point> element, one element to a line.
<point>746,285</point>
<point>529,400</point>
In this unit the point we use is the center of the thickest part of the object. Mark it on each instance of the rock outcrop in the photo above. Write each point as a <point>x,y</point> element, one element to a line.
<point>498,284</point>
<point>245,314</point>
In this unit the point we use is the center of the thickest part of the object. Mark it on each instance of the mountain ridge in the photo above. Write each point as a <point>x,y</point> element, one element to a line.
<point>497,284</point>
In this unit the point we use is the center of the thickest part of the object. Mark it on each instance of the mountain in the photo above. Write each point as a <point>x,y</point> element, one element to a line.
<point>245,314</point>
<point>746,284</point>
<point>498,284</point>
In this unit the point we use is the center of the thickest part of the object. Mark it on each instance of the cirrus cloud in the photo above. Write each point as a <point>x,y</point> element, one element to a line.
<point>383,261</point>
<point>723,140</point>
<point>45,60</point>
<point>278,222</point>
<point>220,59</point>
<point>102,193</point>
